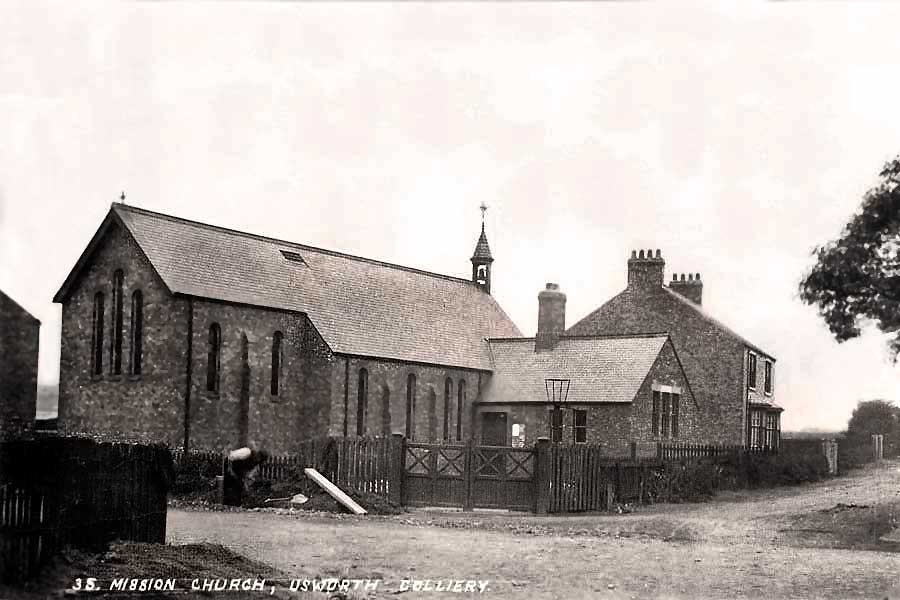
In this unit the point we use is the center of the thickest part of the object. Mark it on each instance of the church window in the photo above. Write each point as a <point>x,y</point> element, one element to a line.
<point>410,406</point>
<point>115,348</point>
<point>460,402</point>
<point>137,333</point>
<point>213,358</point>
<point>277,356</point>
<point>448,391</point>
<point>362,401</point>
<point>97,335</point>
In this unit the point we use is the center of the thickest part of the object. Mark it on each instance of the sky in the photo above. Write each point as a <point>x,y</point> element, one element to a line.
<point>733,137</point>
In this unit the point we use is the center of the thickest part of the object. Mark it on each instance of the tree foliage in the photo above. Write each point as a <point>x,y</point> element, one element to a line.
<point>856,278</point>
<point>874,416</point>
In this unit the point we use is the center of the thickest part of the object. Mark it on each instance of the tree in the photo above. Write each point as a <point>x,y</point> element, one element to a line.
<point>875,416</point>
<point>856,278</point>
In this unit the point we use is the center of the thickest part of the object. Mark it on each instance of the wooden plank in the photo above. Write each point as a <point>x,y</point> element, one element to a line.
<point>334,491</point>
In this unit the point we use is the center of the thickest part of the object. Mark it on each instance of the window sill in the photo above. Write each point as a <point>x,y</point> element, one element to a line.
<point>209,394</point>
<point>751,388</point>
<point>135,377</point>
<point>769,394</point>
<point>114,377</point>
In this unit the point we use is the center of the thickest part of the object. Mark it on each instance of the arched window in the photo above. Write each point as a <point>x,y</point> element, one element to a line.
<point>410,406</point>
<point>385,409</point>
<point>448,393</point>
<point>460,402</point>
<point>432,415</point>
<point>276,361</point>
<point>362,401</point>
<point>137,333</point>
<point>213,357</point>
<point>97,336</point>
<point>115,349</point>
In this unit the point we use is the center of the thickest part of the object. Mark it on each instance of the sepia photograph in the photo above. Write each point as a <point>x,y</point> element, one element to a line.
<point>449,299</point>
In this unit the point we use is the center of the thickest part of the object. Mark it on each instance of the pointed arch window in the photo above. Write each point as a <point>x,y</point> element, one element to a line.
<point>136,358</point>
<point>277,357</point>
<point>362,402</point>
<point>460,402</point>
<point>410,406</point>
<point>97,335</point>
<point>213,358</point>
<point>115,348</point>
<point>448,393</point>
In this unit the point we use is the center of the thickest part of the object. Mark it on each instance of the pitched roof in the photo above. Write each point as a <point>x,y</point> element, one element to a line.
<point>359,306</point>
<point>600,369</point>
<point>4,299</point>
<point>717,322</point>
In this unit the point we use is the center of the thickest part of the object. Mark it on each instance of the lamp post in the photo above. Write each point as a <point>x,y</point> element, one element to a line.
<point>557,393</point>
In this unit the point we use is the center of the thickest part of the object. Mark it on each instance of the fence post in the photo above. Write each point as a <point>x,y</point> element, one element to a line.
<point>542,476</point>
<point>397,468</point>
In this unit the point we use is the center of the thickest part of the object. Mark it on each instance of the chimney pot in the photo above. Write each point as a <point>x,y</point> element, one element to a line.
<point>697,277</point>
<point>682,276</point>
<point>690,276</point>
<point>634,254</point>
<point>552,286</point>
<point>658,253</point>
<point>641,254</point>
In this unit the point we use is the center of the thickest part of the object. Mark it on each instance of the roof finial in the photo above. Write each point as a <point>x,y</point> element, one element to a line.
<point>122,197</point>
<point>483,208</point>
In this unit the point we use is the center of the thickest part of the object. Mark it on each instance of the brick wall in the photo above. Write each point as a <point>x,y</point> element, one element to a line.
<point>714,360</point>
<point>148,407</point>
<point>18,367</point>
<point>611,426</point>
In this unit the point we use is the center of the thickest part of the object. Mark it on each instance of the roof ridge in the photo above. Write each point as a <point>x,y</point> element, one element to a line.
<point>144,211</point>
<point>716,321</point>
<point>603,336</point>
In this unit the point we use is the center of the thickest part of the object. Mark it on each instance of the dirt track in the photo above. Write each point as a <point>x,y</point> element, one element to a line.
<point>772,544</point>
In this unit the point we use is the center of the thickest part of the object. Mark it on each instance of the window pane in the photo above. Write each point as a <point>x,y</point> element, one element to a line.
<point>666,397</point>
<point>655,414</point>
<point>675,402</point>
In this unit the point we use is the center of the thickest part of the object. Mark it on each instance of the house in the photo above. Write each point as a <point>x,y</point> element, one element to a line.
<point>18,367</point>
<point>205,337</point>
<point>732,379</point>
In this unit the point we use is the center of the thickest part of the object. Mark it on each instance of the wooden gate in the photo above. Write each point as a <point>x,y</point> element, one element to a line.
<point>468,476</point>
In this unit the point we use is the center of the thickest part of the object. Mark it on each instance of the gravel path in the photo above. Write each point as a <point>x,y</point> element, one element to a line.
<point>734,547</point>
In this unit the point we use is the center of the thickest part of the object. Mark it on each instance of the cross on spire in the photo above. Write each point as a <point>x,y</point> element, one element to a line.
<point>122,197</point>
<point>483,208</point>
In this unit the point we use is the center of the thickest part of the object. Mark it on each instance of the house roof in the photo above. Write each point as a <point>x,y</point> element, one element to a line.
<point>4,299</point>
<point>360,306</point>
<point>600,369</point>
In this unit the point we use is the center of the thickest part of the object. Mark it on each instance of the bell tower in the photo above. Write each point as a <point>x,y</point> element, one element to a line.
<point>482,259</point>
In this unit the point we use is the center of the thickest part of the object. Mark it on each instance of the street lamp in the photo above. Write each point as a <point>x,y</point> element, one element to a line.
<point>557,393</point>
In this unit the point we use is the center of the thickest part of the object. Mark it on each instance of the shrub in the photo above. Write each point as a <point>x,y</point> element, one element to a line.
<point>195,474</point>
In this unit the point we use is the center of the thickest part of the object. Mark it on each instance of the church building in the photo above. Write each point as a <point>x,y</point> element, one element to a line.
<point>209,338</point>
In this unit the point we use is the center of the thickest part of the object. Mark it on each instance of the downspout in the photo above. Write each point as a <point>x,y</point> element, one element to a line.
<point>346,390</point>
<point>189,374</point>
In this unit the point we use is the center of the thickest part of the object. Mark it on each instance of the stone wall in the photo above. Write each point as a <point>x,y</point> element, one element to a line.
<point>149,406</point>
<point>19,333</point>
<point>387,398</point>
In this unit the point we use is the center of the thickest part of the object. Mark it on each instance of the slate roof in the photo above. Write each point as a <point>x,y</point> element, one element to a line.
<point>601,369</point>
<point>359,306</point>
<point>482,250</point>
<point>16,307</point>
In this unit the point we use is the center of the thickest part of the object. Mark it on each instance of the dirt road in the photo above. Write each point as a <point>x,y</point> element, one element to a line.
<point>773,544</point>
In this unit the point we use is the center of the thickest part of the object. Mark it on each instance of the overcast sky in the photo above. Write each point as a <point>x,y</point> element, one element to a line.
<point>733,138</point>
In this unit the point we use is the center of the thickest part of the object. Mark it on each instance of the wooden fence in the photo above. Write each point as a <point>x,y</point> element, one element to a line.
<point>688,451</point>
<point>72,491</point>
<point>582,478</point>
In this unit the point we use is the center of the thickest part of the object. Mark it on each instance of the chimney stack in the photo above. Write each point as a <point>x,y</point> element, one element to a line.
<point>551,317</point>
<point>645,271</point>
<point>691,287</point>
